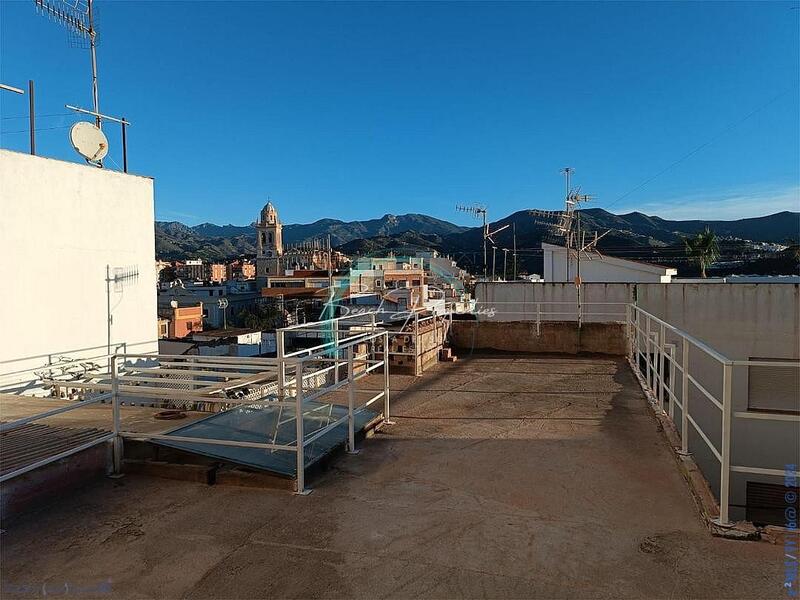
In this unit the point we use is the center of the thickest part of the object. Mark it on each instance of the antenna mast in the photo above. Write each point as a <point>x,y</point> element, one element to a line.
<point>479,211</point>
<point>78,17</point>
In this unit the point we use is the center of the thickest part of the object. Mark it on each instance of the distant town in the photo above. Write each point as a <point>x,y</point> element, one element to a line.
<point>549,389</point>
<point>281,284</point>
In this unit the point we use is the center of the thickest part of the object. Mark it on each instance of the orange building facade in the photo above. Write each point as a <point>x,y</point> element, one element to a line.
<point>186,320</point>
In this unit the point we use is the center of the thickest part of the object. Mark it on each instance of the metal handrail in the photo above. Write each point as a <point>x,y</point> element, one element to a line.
<point>650,346</point>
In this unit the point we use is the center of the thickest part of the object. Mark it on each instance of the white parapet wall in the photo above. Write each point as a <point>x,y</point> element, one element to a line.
<point>62,224</point>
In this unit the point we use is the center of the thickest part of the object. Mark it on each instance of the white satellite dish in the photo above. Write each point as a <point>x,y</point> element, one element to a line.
<point>88,141</point>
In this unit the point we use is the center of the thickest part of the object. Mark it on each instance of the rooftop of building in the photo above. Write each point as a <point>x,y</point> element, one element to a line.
<point>505,475</point>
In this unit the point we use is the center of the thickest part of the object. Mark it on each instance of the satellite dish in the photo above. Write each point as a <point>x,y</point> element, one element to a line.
<point>88,141</point>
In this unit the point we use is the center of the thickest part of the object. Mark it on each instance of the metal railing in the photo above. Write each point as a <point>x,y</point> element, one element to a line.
<point>356,325</point>
<point>218,383</point>
<point>656,363</point>
<point>67,369</point>
<point>540,311</point>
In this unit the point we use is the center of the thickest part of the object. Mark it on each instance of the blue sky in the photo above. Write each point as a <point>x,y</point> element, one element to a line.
<point>352,111</point>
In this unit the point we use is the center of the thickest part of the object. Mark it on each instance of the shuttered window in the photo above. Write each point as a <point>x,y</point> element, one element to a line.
<point>774,389</point>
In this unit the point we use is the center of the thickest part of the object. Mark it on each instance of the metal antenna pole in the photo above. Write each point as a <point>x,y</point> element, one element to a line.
<point>93,49</point>
<point>32,116</point>
<point>515,251</point>
<point>567,242</point>
<point>485,235</point>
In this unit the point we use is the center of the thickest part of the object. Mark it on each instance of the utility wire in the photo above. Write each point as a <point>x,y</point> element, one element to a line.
<point>37,116</point>
<point>731,126</point>
<point>37,129</point>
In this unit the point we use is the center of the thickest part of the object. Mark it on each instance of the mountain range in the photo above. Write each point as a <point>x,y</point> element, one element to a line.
<point>216,242</point>
<point>633,234</point>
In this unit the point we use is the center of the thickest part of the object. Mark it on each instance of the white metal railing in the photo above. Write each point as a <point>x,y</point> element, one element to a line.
<point>67,369</point>
<point>214,383</point>
<point>354,326</point>
<point>299,374</point>
<point>655,363</point>
<point>540,311</point>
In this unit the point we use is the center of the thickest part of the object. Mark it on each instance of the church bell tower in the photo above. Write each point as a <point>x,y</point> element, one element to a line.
<point>269,241</point>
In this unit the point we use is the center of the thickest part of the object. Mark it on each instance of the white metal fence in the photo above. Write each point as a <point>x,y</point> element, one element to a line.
<point>662,356</point>
<point>213,384</point>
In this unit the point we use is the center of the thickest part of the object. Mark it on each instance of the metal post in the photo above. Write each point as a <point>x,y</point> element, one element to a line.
<point>335,351</point>
<point>32,116</point>
<point>279,339</point>
<point>93,51</point>
<point>124,146</point>
<point>629,342</point>
<point>661,380</point>
<point>115,408</point>
<point>538,319</point>
<point>351,400</point>
<point>685,397</point>
<point>671,386</point>
<point>637,326</point>
<point>647,350</point>
<point>725,468</point>
<point>108,314</point>
<point>417,345</point>
<point>300,444</point>
<point>386,418</point>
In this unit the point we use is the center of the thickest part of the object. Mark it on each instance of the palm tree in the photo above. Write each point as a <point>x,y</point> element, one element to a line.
<point>702,249</point>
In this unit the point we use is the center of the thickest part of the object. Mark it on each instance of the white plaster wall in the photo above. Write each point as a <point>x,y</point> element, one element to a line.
<point>595,270</point>
<point>517,301</point>
<point>61,224</point>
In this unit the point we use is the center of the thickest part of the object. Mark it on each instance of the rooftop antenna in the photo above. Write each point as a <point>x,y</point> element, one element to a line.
<point>78,17</point>
<point>479,211</point>
<point>568,224</point>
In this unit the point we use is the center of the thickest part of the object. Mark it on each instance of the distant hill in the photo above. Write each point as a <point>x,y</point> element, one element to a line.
<point>635,235</point>
<point>632,235</point>
<point>216,242</point>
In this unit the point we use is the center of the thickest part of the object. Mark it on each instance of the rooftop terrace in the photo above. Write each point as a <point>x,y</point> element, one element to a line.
<point>505,475</point>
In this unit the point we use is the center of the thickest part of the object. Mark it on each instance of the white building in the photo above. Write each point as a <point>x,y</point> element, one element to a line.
<point>77,248</point>
<point>559,267</point>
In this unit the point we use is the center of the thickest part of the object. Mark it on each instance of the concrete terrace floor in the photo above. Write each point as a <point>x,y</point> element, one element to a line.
<point>505,476</point>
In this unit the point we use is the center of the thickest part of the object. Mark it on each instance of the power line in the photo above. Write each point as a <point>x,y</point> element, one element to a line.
<point>37,116</point>
<point>37,129</point>
<point>700,147</point>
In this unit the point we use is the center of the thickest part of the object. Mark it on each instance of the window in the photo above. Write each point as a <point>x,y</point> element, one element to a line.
<point>774,389</point>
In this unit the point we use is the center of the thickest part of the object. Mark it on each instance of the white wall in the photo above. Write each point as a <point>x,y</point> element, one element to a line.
<point>518,300</point>
<point>600,268</point>
<point>61,224</point>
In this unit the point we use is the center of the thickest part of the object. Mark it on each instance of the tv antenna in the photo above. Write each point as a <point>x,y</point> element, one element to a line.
<point>567,224</point>
<point>78,17</point>
<point>478,211</point>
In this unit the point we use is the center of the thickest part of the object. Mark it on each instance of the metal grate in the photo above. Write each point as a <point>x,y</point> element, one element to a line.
<point>767,502</point>
<point>31,443</point>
